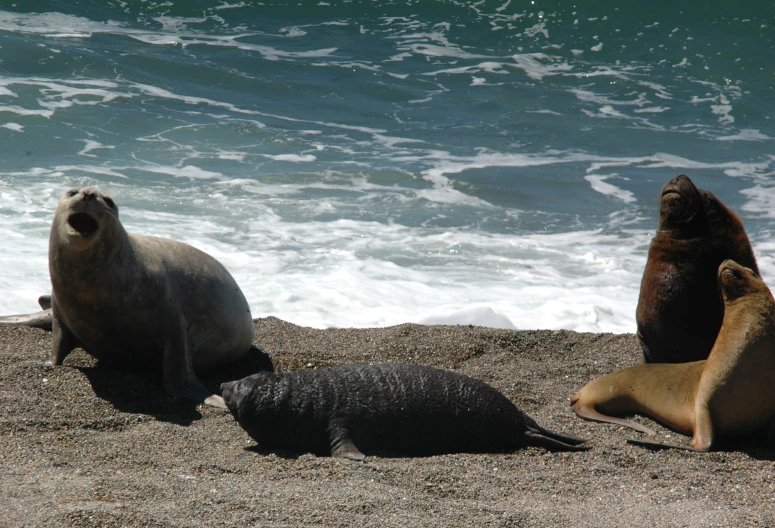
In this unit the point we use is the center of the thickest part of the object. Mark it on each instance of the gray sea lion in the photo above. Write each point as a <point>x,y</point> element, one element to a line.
<point>730,393</point>
<point>133,299</point>
<point>347,410</point>
<point>680,310</point>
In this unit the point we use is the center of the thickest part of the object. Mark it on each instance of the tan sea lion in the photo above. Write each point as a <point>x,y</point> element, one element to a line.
<point>730,393</point>
<point>680,309</point>
<point>134,299</point>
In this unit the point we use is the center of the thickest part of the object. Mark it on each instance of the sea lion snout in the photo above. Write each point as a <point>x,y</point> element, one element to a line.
<point>680,199</point>
<point>227,391</point>
<point>233,393</point>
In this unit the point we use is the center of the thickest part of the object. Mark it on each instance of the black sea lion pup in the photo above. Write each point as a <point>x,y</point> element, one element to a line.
<point>133,299</point>
<point>730,393</point>
<point>679,308</point>
<point>347,410</point>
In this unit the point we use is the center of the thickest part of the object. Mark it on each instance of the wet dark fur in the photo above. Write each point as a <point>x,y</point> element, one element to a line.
<point>406,409</point>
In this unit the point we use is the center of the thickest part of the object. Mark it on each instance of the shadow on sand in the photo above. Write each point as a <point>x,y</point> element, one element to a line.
<point>141,391</point>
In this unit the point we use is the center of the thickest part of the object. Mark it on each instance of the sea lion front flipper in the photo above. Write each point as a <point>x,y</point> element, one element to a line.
<point>178,372</point>
<point>647,355</point>
<point>41,320</point>
<point>589,413</point>
<point>703,427</point>
<point>342,445</point>
<point>63,340</point>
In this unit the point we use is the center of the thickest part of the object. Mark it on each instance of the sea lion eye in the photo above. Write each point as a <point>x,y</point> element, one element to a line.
<point>109,201</point>
<point>72,192</point>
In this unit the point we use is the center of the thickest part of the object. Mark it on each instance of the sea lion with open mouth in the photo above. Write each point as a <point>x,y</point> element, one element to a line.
<point>134,299</point>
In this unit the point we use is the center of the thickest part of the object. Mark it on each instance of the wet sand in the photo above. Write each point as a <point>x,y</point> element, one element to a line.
<point>86,445</point>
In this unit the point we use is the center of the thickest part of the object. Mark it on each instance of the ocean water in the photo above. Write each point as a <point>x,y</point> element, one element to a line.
<point>360,164</point>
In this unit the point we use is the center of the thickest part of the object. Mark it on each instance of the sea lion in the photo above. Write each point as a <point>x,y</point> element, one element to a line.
<point>347,410</point>
<point>730,393</point>
<point>680,310</point>
<point>134,299</point>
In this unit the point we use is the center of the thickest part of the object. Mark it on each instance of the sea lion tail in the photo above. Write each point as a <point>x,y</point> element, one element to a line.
<point>588,412</point>
<point>41,319</point>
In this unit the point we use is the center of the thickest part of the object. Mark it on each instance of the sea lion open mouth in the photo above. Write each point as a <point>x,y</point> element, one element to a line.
<point>83,224</point>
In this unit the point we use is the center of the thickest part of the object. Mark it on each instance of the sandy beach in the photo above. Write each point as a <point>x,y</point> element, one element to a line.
<point>84,445</point>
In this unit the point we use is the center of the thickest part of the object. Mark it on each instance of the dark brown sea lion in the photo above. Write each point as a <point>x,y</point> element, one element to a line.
<point>731,393</point>
<point>134,299</point>
<point>680,309</point>
<point>350,410</point>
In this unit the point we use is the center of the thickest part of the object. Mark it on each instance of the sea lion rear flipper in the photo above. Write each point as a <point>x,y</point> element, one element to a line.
<point>36,320</point>
<point>589,413</point>
<point>554,441</point>
<point>45,301</point>
<point>342,445</point>
<point>657,445</point>
<point>537,430</point>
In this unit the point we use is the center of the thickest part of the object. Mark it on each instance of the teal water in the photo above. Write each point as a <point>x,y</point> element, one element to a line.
<point>371,163</point>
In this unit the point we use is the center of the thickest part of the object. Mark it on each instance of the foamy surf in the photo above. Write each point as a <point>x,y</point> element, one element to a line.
<point>460,164</point>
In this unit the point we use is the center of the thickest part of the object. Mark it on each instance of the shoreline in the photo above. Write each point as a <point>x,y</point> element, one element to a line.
<point>89,446</point>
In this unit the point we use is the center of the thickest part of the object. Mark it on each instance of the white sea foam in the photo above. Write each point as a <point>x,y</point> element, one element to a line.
<point>539,65</point>
<point>297,158</point>
<point>92,145</point>
<point>353,273</point>
<point>174,31</point>
<point>388,204</point>
<point>599,184</point>
<point>746,134</point>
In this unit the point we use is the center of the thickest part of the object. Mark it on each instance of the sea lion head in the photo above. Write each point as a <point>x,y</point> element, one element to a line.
<point>251,394</point>
<point>737,281</point>
<point>82,216</point>
<point>235,394</point>
<point>681,203</point>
